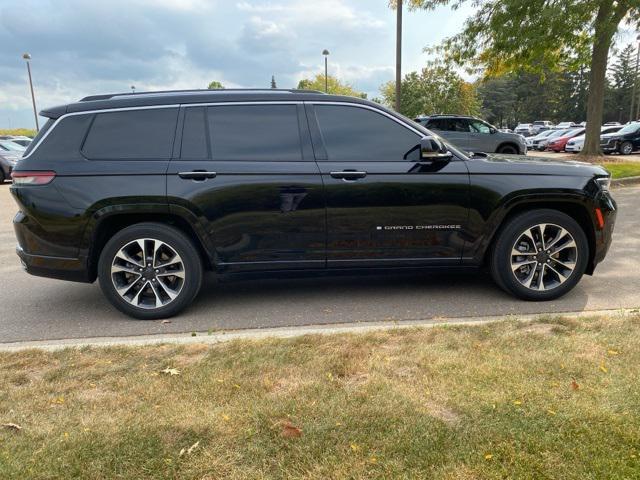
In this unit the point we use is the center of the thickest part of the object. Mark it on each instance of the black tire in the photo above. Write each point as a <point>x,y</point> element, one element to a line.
<point>508,149</point>
<point>174,239</point>
<point>626,148</point>
<point>511,232</point>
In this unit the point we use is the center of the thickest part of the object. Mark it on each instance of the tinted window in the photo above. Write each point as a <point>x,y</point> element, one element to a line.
<point>139,134</point>
<point>194,140</point>
<point>255,132</point>
<point>43,131</point>
<point>353,133</point>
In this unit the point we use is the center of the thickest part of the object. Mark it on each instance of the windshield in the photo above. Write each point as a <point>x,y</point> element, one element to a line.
<point>574,132</point>
<point>631,128</point>
<point>12,147</point>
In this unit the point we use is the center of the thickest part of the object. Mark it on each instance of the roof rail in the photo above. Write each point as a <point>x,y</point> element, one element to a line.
<point>108,96</point>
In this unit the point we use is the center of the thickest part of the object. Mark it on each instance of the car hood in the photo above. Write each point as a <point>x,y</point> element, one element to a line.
<point>531,165</point>
<point>611,135</point>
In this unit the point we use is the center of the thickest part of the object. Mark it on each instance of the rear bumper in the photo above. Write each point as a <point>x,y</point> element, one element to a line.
<point>72,269</point>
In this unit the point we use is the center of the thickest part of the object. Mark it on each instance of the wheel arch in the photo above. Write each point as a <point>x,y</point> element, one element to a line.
<point>112,219</point>
<point>573,208</point>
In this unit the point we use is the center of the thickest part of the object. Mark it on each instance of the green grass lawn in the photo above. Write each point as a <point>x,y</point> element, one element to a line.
<point>623,169</point>
<point>556,398</point>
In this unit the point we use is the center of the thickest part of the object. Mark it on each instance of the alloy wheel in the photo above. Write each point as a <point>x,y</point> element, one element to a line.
<point>544,257</point>
<point>148,273</point>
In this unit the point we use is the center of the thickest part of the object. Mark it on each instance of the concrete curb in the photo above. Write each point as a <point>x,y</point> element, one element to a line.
<point>285,332</point>
<point>622,182</point>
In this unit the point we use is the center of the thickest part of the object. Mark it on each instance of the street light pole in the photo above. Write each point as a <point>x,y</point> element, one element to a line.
<point>398,53</point>
<point>133,89</point>
<point>27,57</point>
<point>325,52</point>
<point>635,81</point>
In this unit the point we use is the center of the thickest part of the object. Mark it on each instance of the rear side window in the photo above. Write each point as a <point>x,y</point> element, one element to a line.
<point>132,134</point>
<point>359,134</point>
<point>254,132</point>
<point>194,135</point>
<point>43,131</point>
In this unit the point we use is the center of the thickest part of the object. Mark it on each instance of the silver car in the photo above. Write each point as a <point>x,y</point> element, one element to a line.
<point>473,134</point>
<point>10,153</point>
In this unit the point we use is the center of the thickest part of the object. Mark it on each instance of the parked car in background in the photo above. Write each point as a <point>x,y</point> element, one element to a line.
<point>10,153</point>
<point>564,125</point>
<point>505,130</point>
<point>542,143</point>
<point>532,142</point>
<point>576,144</point>
<point>541,126</point>
<point>625,141</point>
<point>611,124</point>
<point>558,144</point>
<point>524,129</point>
<point>473,134</point>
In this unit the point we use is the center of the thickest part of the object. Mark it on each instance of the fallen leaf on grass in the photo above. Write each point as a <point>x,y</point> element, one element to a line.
<point>189,451</point>
<point>574,385</point>
<point>289,430</point>
<point>551,412</point>
<point>355,447</point>
<point>12,426</point>
<point>613,352</point>
<point>170,371</point>
<point>603,368</point>
<point>517,402</point>
<point>488,456</point>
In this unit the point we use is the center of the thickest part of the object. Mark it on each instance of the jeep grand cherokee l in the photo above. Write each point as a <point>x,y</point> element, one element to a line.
<point>147,191</point>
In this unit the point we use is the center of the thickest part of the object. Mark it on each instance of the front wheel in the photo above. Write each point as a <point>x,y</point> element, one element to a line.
<point>539,255</point>
<point>626,148</point>
<point>508,149</point>
<point>150,271</point>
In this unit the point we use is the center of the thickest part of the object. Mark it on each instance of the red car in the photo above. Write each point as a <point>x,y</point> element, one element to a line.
<point>558,144</point>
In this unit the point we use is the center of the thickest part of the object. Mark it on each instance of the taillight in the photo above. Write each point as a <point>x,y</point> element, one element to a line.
<point>32,178</point>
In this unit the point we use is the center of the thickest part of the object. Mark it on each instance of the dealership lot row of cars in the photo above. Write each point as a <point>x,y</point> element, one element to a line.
<point>11,149</point>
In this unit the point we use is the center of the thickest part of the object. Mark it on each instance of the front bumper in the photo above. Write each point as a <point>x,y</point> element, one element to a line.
<point>573,148</point>
<point>603,236</point>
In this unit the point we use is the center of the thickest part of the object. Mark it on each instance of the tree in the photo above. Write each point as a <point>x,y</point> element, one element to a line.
<point>273,82</point>
<point>623,73</point>
<point>514,35</point>
<point>334,86</point>
<point>436,89</point>
<point>215,85</point>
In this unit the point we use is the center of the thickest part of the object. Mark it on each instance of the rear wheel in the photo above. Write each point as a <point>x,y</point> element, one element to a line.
<point>626,148</point>
<point>150,271</point>
<point>508,149</point>
<point>539,255</point>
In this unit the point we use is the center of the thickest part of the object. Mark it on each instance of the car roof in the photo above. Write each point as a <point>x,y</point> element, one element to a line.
<point>180,97</point>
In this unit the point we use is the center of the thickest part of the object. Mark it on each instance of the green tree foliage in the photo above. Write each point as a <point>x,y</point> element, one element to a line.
<point>215,85</point>
<point>334,86</point>
<point>623,73</point>
<point>534,35</point>
<point>436,89</point>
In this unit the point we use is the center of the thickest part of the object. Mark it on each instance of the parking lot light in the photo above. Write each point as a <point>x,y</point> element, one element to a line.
<point>27,57</point>
<point>325,52</point>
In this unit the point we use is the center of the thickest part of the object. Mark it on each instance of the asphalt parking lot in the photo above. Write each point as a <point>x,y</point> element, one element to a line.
<point>35,308</point>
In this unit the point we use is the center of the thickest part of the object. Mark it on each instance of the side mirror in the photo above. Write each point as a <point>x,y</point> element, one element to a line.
<point>492,130</point>
<point>432,149</point>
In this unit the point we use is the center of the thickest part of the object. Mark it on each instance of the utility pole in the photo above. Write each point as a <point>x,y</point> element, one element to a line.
<point>27,57</point>
<point>398,53</point>
<point>325,52</point>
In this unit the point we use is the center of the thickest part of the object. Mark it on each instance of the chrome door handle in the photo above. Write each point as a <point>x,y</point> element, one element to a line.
<point>348,175</point>
<point>197,175</point>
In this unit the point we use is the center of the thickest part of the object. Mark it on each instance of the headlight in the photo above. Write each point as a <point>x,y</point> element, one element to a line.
<point>604,183</point>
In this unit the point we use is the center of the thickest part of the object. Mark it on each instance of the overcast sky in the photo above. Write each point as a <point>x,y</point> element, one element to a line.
<point>83,47</point>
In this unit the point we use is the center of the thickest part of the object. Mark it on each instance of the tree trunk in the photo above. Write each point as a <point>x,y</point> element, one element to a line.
<point>605,26</point>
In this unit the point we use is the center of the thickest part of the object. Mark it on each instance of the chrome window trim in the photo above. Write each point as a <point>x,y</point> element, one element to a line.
<point>214,104</point>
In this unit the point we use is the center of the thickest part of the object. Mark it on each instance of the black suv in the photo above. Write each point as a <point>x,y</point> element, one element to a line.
<point>146,191</point>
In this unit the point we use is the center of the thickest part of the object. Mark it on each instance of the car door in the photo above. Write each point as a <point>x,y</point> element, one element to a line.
<point>480,137</point>
<point>385,206</point>
<point>246,176</point>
